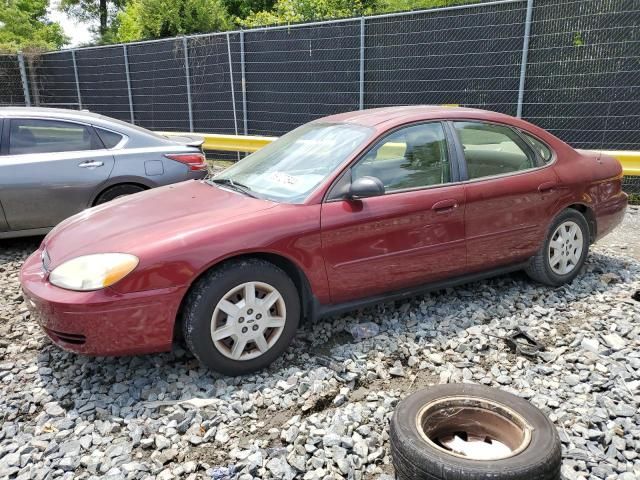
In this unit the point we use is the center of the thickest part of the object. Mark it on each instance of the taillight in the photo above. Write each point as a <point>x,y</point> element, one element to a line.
<point>195,161</point>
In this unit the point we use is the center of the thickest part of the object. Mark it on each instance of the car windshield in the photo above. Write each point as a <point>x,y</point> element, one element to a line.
<point>288,169</point>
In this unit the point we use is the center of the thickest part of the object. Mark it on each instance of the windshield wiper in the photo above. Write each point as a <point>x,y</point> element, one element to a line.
<point>239,187</point>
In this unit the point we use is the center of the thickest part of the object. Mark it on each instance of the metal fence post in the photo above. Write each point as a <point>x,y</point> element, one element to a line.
<point>525,57</point>
<point>187,74</point>
<point>126,72</point>
<point>25,83</point>
<point>233,91</point>
<point>244,84</point>
<point>75,73</point>
<point>362,40</point>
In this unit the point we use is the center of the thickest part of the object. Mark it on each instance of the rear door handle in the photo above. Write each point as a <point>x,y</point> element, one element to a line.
<point>90,164</point>
<point>444,205</point>
<point>547,187</point>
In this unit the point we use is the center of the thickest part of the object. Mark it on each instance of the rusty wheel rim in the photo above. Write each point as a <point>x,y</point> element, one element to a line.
<point>473,428</point>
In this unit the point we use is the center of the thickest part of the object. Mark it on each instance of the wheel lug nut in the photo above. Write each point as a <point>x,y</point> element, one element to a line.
<point>249,311</point>
<point>258,317</point>
<point>244,330</point>
<point>255,327</point>
<point>241,319</point>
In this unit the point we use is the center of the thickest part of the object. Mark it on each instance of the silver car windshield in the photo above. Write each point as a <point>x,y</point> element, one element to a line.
<point>290,168</point>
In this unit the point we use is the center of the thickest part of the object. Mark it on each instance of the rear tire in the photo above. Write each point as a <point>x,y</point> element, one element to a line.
<point>117,191</point>
<point>563,252</point>
<point>241,316</point>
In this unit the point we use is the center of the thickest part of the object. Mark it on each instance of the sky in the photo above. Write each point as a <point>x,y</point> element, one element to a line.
<point>78,32</point>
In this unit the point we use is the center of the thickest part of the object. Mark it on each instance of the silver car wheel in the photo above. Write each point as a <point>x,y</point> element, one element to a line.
<point>565,248</point>
<point>248,320</point>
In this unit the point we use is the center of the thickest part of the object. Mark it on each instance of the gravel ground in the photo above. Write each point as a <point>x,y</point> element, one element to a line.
<point>321,412</point>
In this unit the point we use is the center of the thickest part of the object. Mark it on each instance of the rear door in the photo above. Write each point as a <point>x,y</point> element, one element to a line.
<point>510,194</point>
<point>51,170</point>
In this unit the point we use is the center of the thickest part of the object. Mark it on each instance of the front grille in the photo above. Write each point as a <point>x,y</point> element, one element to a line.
<point>73,338</point>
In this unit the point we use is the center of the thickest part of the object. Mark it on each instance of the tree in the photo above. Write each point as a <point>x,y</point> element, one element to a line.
<point>243,8</point>
<point>23,26</point>
<point>144,19</point>
<point>90,10</point>
<point>292,11</point>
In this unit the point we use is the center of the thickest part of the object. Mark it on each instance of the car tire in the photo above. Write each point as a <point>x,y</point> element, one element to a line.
<point>117,191</point>
<point>421,420</point>
<point>541,267</point>
<point>220,314</point>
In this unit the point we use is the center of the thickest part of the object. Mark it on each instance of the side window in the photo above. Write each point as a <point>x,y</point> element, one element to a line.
<point>541,148</point>
<point>109,139</point>
<point>48,136</point>
<point>492,149</point>
<point>412,157</point>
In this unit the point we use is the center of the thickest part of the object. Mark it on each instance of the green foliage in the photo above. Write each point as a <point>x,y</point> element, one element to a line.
<point>23,26</point>
<point>91,10</point>
<point>243,8</point>
<point>402,5</point>
<point>634,199</point>
<point>292,11</point>
<point>142,19</point>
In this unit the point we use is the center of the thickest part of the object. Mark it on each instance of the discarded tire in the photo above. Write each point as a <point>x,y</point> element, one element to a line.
<point>472,432</point>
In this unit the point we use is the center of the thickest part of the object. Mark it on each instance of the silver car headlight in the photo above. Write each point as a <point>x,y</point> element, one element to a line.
<point>93,272</point>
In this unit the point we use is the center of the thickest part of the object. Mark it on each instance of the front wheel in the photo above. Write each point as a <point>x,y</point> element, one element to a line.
<point>564,251</point>
<point>241,316</point>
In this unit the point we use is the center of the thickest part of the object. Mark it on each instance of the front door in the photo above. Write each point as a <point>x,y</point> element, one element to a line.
<point>49,171</point>
<point>411,235</point>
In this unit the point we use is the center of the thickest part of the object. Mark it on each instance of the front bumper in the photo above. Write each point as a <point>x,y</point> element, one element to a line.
<point>102,322</point>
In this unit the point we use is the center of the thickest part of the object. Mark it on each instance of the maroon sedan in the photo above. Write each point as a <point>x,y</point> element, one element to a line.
<point>342,212</point>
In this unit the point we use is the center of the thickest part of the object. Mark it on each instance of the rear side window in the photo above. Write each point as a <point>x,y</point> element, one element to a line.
<point>492,149</point>
<point>109,139</point>
<point>540,148</point>
<point>49,136</point>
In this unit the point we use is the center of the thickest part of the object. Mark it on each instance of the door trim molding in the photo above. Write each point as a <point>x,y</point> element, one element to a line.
<point>321,311</point>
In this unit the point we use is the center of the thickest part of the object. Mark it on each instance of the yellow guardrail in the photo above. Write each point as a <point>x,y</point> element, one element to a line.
<point>228,143</point>
<point>630,160</point>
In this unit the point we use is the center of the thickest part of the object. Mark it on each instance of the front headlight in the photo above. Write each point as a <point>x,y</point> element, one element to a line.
<point>93,272</point>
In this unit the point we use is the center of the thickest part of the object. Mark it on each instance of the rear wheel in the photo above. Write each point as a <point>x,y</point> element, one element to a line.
<point>564,251</point>
<point>240,317</point>
<point>117,191</point>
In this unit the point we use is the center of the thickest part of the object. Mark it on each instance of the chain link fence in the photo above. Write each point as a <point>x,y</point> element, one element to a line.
<point>572,67</point>
<point>11,89</point>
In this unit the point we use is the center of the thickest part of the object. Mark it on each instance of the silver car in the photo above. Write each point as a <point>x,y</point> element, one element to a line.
<point>55,163</point>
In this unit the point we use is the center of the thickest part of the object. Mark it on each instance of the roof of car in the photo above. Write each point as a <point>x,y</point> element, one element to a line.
<point>398,115</point>
<point>48,112</point>
<point>81,116</point>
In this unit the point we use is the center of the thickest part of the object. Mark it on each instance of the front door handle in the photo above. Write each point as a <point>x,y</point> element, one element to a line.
<point>90,164</point>
<point>547,187</point>
<point>444,205</point>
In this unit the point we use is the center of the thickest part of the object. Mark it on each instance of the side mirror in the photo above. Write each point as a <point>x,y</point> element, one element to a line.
<point>365,187</point>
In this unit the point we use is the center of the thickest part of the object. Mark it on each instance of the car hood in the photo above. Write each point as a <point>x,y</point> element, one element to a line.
<point>160,216</point>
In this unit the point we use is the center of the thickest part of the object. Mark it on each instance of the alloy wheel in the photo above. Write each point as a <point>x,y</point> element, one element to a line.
<point>565,248</point>
<point>248,320</point>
